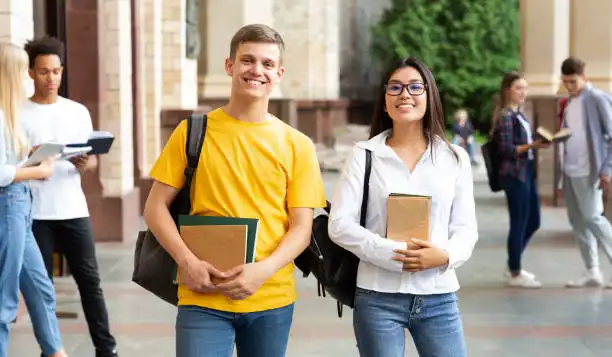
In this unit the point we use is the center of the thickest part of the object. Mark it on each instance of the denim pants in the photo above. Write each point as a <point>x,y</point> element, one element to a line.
<point>524,208</point>
<point>22,267</point>
<point>202,332</point>
<point>380,320</point>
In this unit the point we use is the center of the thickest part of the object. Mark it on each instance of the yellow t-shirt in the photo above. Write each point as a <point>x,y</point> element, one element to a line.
<point>248,170</point>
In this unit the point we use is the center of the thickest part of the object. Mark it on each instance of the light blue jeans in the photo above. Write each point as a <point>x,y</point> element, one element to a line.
<point>22,267</point>
<point>379,320</point>
<point>202,332</point>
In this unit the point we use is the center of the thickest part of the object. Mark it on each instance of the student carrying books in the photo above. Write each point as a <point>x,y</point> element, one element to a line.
<point>402,282</point>
<point>252,165</point>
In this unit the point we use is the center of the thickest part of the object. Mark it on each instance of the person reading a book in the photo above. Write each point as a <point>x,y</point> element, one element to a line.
<point>21,264</point>
<point>59,208</point>
<point>587,168</point>
<point>516,145</point>
<point>252,165</point>
<point>403,282</point>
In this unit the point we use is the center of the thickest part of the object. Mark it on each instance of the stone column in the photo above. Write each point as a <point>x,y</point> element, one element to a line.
<point>117,170</point>
<point>544,43</point>
<point>311,33</point>
<point>151,83</point>
<point>179,80</point>
<point>17,21</point>
<point>591,39</point>
<point>223,19</point>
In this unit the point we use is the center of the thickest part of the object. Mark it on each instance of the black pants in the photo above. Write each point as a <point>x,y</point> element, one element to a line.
<point>74,239</point>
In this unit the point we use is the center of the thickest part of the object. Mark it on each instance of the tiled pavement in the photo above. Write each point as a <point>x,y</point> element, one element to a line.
<point>499,321</point>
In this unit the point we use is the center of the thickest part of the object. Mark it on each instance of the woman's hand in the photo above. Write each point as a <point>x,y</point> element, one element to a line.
<point>539,144</point>
<point>421,255</point>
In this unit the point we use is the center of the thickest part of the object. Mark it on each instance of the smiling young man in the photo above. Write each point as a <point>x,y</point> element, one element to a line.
<point>59,207</point>
<point>587,168</point>
<point>252,165</point>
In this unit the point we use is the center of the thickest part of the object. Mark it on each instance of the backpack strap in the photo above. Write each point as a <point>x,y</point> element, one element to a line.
<point>366,187</point>
<point>196,130</point>
<point>364,204</point>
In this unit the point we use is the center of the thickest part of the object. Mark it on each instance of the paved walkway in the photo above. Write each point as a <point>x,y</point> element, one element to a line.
<point>499,321</point>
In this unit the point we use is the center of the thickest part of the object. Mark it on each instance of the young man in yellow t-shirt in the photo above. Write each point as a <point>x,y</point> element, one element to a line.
<point>252,166</point>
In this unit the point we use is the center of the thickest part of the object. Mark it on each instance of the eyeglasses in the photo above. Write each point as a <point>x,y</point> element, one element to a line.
<point>415,88</point>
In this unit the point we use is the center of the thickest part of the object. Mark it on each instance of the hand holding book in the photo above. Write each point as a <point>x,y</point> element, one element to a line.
<point>421,255</point>
<point>251,278</point>
<point>198,275</point>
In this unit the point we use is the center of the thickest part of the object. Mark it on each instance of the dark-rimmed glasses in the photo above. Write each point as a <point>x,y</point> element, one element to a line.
<point>415,88</point>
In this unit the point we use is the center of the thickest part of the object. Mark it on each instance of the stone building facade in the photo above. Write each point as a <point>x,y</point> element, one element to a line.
<point>131,62</point>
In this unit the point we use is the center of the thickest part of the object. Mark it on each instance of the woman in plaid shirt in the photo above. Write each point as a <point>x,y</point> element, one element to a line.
<point>516,151</point>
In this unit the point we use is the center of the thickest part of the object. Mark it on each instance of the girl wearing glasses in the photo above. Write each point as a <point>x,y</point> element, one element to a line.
<point>408,284</point>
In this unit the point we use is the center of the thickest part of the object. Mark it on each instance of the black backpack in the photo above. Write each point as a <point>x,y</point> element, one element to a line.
<point>334,267</point>
<point>154,268</point>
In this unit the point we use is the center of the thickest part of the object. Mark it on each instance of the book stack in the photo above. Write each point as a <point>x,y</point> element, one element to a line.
<point>408,217</point>
<point>223,242</point>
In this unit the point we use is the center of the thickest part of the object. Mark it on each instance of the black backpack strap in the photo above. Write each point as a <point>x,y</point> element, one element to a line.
<point>364,204</point>
<point>196,130</point>
<point>366,187</point>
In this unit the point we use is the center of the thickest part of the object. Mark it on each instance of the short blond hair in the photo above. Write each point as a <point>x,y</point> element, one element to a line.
<point>460,113</point>
<point>256,33</point>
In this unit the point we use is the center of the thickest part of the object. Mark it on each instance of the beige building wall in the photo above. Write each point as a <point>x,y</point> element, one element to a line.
<point>179,79</point>
<point>311,33</point>
<point>16,21</point>
<point>591,39</point>
<point>116,168</point>
<point>150,82</point>
<point>545,42</point>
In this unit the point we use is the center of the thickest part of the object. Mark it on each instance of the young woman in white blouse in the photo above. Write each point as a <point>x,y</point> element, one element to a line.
<point>411,284</point>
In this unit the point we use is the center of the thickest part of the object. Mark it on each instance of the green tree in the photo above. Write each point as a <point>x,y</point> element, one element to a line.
<point>468,45</point>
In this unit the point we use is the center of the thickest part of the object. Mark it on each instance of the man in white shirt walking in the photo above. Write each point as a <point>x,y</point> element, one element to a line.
<point>59,209</point>
<point>587,167</point>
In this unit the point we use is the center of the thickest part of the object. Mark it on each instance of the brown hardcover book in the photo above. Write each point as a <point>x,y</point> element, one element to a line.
<point>223,246</point>
<point>408,217</point>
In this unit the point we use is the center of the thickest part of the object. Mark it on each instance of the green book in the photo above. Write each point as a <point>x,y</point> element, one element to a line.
<point>251,223</point>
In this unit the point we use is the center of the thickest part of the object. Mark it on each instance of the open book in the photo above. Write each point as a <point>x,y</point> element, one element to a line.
<point>560,136</point>
<point>408,217</point>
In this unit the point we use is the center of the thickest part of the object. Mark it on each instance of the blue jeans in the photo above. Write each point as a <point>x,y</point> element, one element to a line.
<point>469,146</point>
<point>379,320</point>
<point>202,332</point>
<point>524,208</point>
<point>22,267</point>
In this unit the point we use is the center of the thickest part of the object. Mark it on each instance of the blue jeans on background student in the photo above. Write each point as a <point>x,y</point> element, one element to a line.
<point>202,332</point>
<point>469,146</point>
<point>524,208</point>
<point>22,267</point>
<point>379,320</point>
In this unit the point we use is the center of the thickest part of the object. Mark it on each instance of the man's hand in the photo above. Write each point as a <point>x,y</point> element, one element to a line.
<point>83,162</point>
<point>197,275</point>
<point>421,255</point>
<point>246,284</point>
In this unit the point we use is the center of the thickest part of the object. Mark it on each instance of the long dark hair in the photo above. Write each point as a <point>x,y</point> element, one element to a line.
<point>433,121</point>
<point>502,99</point>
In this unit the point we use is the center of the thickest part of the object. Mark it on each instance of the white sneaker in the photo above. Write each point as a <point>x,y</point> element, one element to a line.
<point>524,281</point>
<point>507,274</point>
<point>590,278</point>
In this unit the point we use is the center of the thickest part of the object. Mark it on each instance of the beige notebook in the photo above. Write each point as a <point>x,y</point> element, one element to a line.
<point>223,246</point>
<point>408,217</point>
